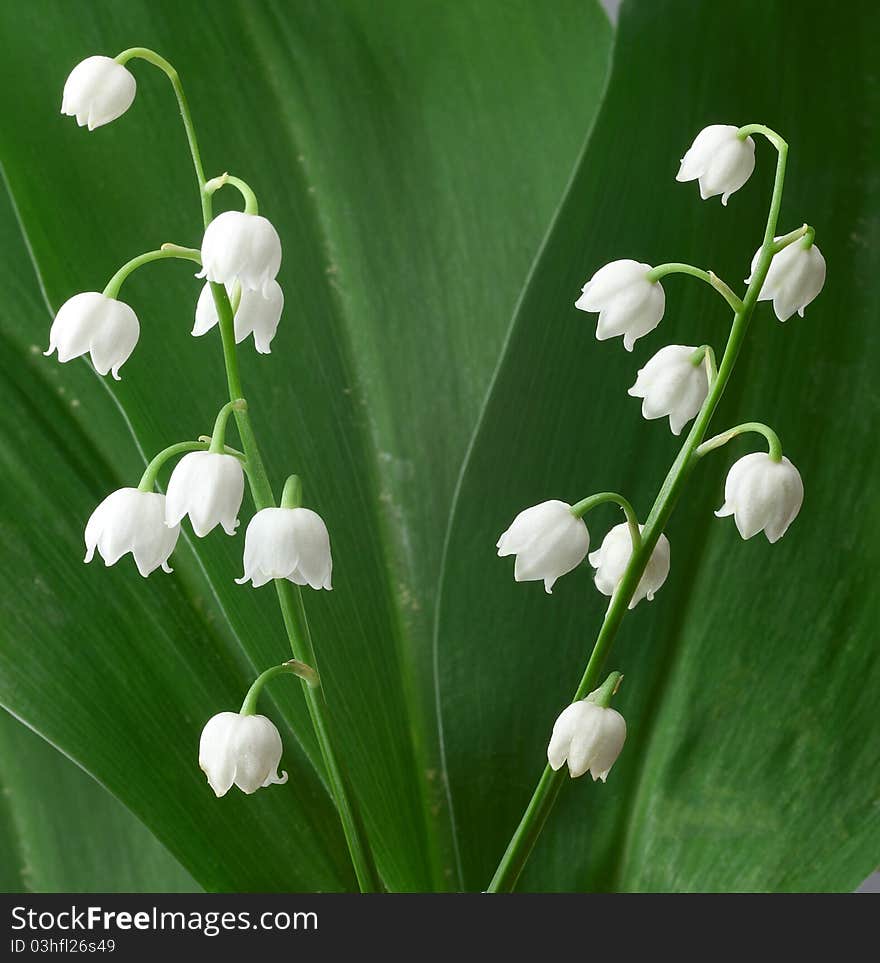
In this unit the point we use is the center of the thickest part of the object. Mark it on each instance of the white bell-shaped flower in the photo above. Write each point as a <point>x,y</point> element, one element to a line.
<point>795,278</point>
<point>762,495</point>
<point>97,91</point>
<point>671,384</point>
<point>612,558</point>
<point>258,314</point>
<point>91,322</point>
<point>244,751</point>
<point>548,542</point>
<point>721,161</point>
<point>209,488</point>
<point>129,520</point>
<point>628,303</point>
<point>291,543</point>
<point>242,247</point>
<point>587,737</point>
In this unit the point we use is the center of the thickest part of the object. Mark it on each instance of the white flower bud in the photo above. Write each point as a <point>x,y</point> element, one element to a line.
<point>671,384</point>
<point>587,736</point>
<point>97,91</point>
<point>613,556</point>
<point>129,520</point>
<point>795,278</point>
<point>244,751</point>
<point>628,303</point>
<point>762,495</point>
<point>721,161</point>
<point>91,322</point>
<point>209,488</point>
<point>291,543</point>
<point>243,247</point>
<point>548,542</point>
<point>257,314</point>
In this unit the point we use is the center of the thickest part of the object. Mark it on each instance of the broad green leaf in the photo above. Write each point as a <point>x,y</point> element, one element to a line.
<point>750,681</point>
<point>411,155</point>
<point>118,673</point>
<point>68,834</point>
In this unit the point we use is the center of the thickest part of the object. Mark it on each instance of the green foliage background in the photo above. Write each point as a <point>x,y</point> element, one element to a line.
<point>415,156</point>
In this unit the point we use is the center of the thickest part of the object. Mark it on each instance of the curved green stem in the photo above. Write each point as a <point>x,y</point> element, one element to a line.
<point>164,252</point>
<point>218,435</point>
<point>765,131</point>
<point>299,669</point>
<point>289,595</point>
<point>774,447</point>
<point>584,505</point>
<point>710,278</point>
<point>250,198</point>
<point>550,783</point>
<point>148,479</point>
<point>151,57</point>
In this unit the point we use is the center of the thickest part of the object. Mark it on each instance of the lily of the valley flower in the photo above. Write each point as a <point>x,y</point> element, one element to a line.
<point>129,520</point>
<point>795,278</point>
<point>258,314</point>
<point>721,161</point>
<point>209,488</point>
<point>241,247</point>
<point>628,302</point>
<point>291,543</point>
<point>548,542</point>
<point>91,322</point>
<point>244,751</point>
<point>97,91</point>
<point>762,495</point>
<point>612,558</point>
<point>671,384</point>
<point>587,737</point>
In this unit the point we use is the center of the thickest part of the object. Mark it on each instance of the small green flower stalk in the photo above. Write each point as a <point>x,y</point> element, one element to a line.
<point>243,748</point>
<point>763,491</point>
<point>239,257</point>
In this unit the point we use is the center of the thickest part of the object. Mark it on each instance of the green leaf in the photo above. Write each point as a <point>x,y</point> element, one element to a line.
<point>411,156</point>
<point>750,681</point>
<point>122,673</point>
<point>87,843</point>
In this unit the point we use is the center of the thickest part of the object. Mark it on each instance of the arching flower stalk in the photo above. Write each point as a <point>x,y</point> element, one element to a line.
<point>764,491</point>
<point>239,254</point>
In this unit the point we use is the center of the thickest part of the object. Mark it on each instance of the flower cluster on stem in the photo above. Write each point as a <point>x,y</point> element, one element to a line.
<point>239,257</point>
<point>763,491</point>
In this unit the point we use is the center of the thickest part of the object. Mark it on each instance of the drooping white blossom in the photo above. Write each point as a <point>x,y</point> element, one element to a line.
<point>719,160</point>
<point>97,91</point>
<point>548,542</point>
<point>762,495</point>
<point>93,323</point>
<point>612,558</point>
<point>129,520</point>
<point>671,384</point>
<point>628,303</point>
<point>795,278</point>
<point>258,314</point>
<point>243,751</point>
<point>242,247</point>
<point>208,487</point>
<point>587,737</point>
<point>291,543</point>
